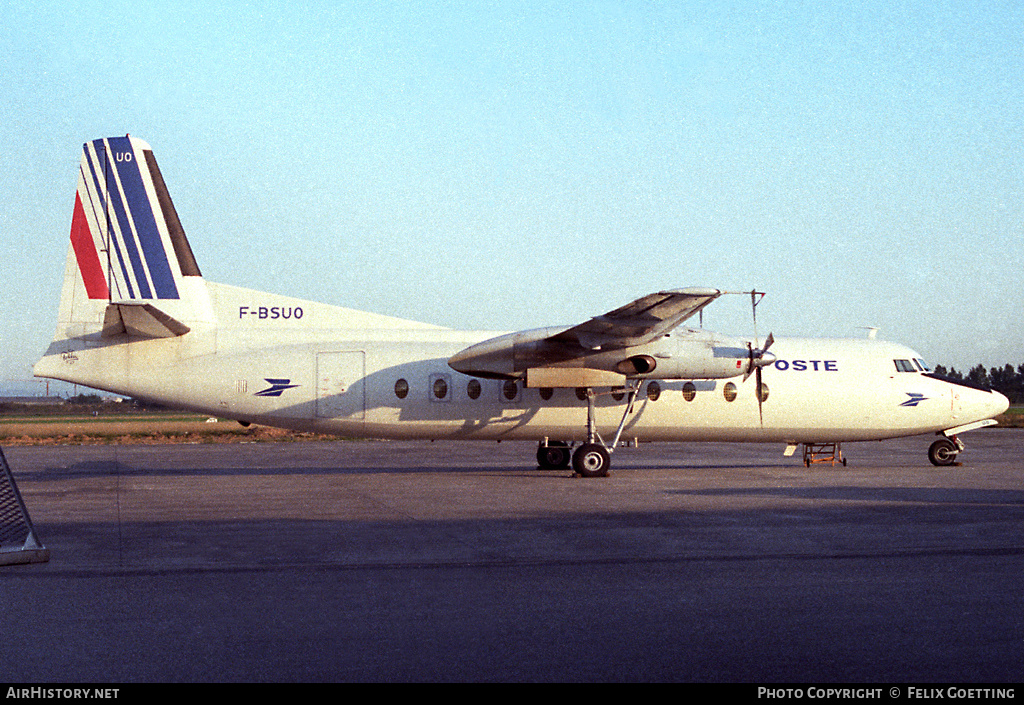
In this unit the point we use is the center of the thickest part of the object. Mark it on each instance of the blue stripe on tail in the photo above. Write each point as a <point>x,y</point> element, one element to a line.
<point>150,257</point>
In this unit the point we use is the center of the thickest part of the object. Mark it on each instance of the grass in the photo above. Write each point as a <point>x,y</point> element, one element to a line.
<point>1013,418</point>
<point>104,418</point>
<point>110,424</point>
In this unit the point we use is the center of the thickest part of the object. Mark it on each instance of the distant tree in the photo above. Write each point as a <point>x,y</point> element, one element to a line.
<point>979,376</point>
<point>1002,377</point>
<point>951,373</point>
<point>1009,382</point>
<point>86,399</point>
<point>143,405</point>
<point>1005,380</point>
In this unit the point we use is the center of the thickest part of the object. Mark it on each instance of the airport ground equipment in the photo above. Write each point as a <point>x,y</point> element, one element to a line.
<point>18,540</point>
<point>831,453</point>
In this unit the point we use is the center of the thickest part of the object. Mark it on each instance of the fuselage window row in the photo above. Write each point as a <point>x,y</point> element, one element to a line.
<point>510,390</point>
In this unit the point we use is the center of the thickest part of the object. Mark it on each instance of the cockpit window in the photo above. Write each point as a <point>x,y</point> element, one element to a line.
<point>921,363</point>
<point>905,366</point>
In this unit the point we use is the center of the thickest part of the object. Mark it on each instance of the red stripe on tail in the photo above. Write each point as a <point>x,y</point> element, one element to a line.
<point>85,252</point>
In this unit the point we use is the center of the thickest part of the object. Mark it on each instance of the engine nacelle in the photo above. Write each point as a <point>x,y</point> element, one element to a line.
<point>696,355</point>
<point>637,365</point>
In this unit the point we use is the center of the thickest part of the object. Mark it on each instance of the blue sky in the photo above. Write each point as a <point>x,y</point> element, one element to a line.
<point>516,165</point>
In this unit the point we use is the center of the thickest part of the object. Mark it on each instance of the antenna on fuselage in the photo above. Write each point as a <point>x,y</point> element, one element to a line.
<point>755,299</point>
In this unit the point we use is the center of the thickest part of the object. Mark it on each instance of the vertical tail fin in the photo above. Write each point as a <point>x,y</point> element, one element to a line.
<point>124,213</point>
<point>130,274</point>
<point>127,244</point>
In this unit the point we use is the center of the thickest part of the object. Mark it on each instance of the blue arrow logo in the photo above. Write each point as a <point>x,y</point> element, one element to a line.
<point>914,399</point>
<point>276,387</point>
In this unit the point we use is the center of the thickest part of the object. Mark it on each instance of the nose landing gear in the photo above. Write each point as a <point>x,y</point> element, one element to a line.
<point>943,452</point>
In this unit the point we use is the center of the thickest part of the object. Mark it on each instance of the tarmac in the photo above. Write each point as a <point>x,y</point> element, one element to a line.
<point>461,562</point>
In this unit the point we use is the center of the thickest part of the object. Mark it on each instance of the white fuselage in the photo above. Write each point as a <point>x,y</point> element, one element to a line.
<point>137,318</point>
<point>277,361</point>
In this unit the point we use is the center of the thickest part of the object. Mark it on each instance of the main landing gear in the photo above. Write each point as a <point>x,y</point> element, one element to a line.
<point>593,458</point>
<point>588,460</point>
<point>553,455</point>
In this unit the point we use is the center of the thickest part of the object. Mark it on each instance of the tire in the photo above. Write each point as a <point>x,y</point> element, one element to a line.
<point>942,452</point>
<point>553,456</point>
<point>591,460</point>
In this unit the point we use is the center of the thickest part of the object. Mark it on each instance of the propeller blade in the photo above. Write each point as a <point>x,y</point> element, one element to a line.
<point>750,361</point>
<point>755,355</point>
<point>757,391</point>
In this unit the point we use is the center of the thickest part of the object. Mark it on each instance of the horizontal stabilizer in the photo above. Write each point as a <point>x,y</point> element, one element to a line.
<point>140,321</point>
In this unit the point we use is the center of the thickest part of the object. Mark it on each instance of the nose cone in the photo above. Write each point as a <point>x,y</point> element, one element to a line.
<point>979,404</point>
<point>998,404</point>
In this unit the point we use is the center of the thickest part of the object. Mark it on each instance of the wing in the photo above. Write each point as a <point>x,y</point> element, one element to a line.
<point>642,321</point>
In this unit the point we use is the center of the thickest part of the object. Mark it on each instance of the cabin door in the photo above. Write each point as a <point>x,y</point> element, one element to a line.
<point>341,385</point>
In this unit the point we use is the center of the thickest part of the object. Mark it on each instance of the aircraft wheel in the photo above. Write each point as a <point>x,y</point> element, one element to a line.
<point>942,452</point>
<point>591,460</point>
<point>554,455</point>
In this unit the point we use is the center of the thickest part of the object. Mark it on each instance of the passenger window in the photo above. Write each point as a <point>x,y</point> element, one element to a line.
<point>546,393</point>
<point>689,391</point>
<point>653,391</point>
<point>510,390</point>
<point>440,388</point>
<point>401,388</point>
<point>473,389</point>
<point>729,391</point>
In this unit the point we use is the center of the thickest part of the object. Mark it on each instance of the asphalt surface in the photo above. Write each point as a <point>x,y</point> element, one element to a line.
<point>412,561</point>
